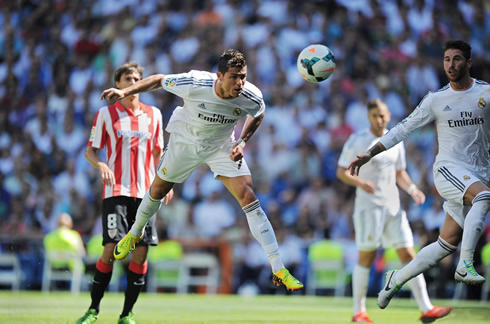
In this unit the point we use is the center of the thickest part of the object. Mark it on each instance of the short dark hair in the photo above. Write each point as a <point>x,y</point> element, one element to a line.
<point>128,68</point>
<point>231,58</point>
<point>375,103</point>
<point>461,45</point>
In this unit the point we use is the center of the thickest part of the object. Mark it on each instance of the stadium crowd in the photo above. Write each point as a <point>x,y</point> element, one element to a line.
<point>57,56</point>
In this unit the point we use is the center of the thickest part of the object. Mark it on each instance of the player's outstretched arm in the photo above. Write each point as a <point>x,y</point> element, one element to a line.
<point>362,159</point>
<point>150,83</point>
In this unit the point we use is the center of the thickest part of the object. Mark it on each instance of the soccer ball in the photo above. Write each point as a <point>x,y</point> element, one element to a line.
<point>316,63</point>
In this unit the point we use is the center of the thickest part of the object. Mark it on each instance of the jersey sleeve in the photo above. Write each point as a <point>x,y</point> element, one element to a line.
<point>98,135</point>
<point>180,84</point>
<point>349,152</point>
<point>421,116</point>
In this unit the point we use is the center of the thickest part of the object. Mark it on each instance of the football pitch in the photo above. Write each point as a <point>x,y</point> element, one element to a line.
<point>62,307</point>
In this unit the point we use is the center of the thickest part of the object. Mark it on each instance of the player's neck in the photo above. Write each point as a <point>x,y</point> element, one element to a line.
<point>462,84</point>
<point>376,132</point>
<point>132,104</point>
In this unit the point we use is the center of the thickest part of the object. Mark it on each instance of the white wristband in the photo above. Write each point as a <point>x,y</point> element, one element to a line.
<point>411,188</point>
<point>241,142</point>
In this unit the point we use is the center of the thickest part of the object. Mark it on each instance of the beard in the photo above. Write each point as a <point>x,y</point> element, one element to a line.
<point>458,76</point>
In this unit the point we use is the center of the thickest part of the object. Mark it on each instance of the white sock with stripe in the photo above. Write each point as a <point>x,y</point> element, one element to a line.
<point>360,279</point>
<point>146,210</point>
<point>263,232</point>
<point>473,225</point>
<point>428,257</point>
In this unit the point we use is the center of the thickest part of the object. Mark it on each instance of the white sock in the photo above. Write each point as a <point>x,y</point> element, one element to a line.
<point>263,232</point>
<point>419,291</point>
<point>360,279</point>
<point>146,210</point>
<point>428,257</point>
<point>473,225</point>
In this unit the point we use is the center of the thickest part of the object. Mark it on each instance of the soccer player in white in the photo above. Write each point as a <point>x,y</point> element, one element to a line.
<point>202,132</point>
<point>461,171</point>
<point>378,217</point>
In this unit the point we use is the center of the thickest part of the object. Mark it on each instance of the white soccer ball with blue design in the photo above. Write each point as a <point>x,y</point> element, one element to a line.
<point>316,63</point>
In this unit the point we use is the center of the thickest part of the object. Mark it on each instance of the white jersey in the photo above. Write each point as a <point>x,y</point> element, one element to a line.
<point>381,170</point>
<point>205,118</point>
<point>462,122</point>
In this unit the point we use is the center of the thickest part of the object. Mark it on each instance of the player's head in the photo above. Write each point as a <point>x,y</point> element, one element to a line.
<point>378,115</point>
<point>232,73</point>
<point>128,74</point>
<point>457,60</point>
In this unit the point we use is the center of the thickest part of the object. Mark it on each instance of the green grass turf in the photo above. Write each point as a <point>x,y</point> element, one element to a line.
<point>62,307</point>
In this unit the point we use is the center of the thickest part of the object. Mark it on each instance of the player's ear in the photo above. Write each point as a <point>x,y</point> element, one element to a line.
<point>220,75</point>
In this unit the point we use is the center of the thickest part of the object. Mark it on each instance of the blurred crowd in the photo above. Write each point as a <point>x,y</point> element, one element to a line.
<point>56,56</point>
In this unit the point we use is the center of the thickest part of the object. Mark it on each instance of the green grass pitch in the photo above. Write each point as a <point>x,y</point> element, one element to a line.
<point>62,307</point>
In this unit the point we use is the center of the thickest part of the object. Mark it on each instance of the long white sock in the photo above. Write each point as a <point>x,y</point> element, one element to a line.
<point>473,225</point>
<point>146,210</point>
<point>419,291</point>
<point>428,257</point>
<point>360,279</point>
<point>263,232</point>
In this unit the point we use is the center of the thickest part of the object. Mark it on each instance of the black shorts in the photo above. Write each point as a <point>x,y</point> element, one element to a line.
<point>118,214</point>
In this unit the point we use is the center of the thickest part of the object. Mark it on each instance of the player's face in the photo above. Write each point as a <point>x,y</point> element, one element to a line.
<point>455,65</point>
<point>128,80</point>
<point>379,117</point>
<point>232,82</point>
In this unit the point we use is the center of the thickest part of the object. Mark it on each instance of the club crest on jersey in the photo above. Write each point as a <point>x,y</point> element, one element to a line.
<point>164,171</point>
<point>112,233</point>
<point>481,103</point>
<point>466,177</point>
<point>237,112</point>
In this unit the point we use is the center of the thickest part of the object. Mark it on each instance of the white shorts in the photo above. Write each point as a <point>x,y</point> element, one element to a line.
<point>377,226</point>
<point>452,182</point>
<point>181,158</point>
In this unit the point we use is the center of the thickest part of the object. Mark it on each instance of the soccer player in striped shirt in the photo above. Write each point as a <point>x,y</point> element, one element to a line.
<point>132,135</point>
<point>461,113</point>
<point>202,132</point>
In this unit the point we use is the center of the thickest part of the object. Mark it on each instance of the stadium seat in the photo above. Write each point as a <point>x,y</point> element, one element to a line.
<point>62,266</point>
<point>326,268</point>
<point>10,272</point>
<point>164,265</point>
<point>199,270</point>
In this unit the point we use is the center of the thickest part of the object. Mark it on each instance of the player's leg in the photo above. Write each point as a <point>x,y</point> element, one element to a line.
<point>368,228</point>
<point>478,196</point>
<point>428,257</point>
<point>136,275</point>
<point>241,188</point>
<point>360,280</point>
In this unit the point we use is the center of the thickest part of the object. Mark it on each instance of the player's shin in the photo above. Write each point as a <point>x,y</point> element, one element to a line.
<point>428,257</point>
<point>146,210</point>
<point>263,232</point>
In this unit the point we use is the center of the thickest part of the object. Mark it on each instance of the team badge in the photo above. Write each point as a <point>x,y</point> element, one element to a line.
<point>481,103</point>
<point>237,112</point>
<point>112,233</point>
<point>164,170</point>
<point>466,178</point>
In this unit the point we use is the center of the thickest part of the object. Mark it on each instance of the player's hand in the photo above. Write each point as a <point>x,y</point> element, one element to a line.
<point>368,186</point>
<point>106,174</point>
<point>236,153</point>
<point>355,165</point>
<point>168,197</point>
<point>112,95</point>
<point>418,196</point>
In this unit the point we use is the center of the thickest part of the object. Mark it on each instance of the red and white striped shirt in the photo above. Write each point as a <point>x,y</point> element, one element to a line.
<point>129,140</point>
